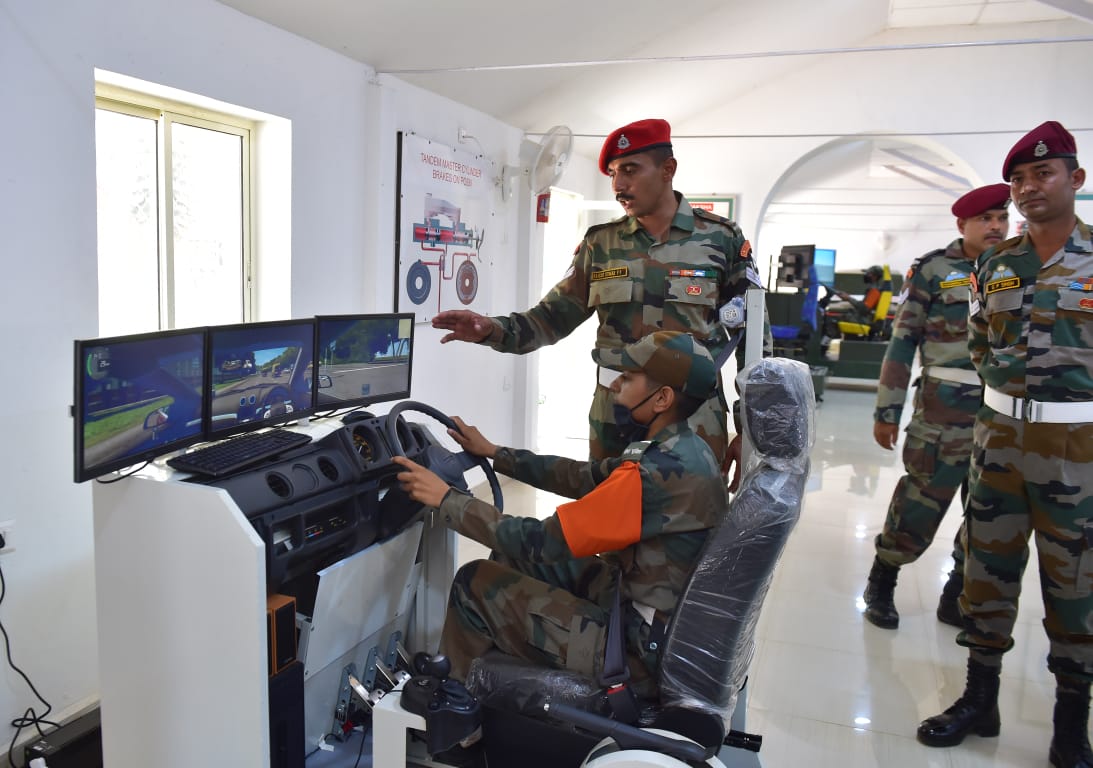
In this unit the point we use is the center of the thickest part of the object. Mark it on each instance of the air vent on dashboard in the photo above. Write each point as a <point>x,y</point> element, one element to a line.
<point>328,468</point>
<point>279,484</point>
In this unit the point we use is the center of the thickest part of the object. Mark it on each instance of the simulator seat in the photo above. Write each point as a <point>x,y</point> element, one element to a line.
<point>875,328</point>
<point>709,644</point>
<point>795,340</point>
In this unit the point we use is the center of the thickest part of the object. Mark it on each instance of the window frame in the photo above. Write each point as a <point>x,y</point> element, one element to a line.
<point>167,113</point>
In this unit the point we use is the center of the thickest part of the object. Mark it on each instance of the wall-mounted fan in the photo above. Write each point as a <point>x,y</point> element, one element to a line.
<point>541,163</point>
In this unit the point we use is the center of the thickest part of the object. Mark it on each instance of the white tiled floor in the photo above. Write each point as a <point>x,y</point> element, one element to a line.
<point>829,689</point>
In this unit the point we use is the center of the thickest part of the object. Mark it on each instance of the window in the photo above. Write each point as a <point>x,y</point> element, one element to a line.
<point>174,214</point>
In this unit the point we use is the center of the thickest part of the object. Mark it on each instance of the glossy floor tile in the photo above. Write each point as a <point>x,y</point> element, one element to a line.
<point>826,687</point>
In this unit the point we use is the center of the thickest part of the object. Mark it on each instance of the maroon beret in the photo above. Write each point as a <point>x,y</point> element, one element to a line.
<point>981,200</point>
<point>635,137</point>
<point>1049,139</point>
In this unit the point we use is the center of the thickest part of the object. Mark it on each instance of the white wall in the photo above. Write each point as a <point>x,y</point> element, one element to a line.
<point>342,175</point>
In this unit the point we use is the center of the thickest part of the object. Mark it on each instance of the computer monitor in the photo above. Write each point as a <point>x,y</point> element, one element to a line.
<point>793,264</point>
<point>259,375</point>
<point>136,398</point>
<point>823,259</point>
<point>363,359</point>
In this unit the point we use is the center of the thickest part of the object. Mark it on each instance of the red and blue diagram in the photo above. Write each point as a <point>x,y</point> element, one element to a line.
<point>454,248</point>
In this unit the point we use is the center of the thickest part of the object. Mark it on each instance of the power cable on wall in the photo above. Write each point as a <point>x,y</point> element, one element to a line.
<point>30,717</point>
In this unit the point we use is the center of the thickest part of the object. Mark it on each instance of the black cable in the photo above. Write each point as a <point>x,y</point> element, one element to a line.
<point>360,752</point>
<point>127,474</point>
<point>29,717</point>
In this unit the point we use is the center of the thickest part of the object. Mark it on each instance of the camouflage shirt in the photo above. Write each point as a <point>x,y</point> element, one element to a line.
<point>637,285</point>
<point>932,319</point>
<point>1031,324</point>
<point>682,497</point>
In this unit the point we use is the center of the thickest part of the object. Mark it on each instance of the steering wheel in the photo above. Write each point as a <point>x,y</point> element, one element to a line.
<point>438,458</point>
<point>273,403</point>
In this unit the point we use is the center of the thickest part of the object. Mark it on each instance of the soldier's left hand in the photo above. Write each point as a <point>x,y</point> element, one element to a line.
<point>420,484</point>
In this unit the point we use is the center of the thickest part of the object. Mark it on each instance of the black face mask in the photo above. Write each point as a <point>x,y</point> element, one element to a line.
<point>628,427</point>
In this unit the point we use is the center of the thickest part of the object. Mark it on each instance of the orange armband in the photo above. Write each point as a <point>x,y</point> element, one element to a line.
<point>608,518</point>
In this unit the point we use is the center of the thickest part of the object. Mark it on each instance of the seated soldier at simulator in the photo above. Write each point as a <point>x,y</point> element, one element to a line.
<point>862,309</point>
<point>639,522</point>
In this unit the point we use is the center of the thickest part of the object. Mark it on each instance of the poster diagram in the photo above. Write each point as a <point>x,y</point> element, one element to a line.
<point>444,206</point>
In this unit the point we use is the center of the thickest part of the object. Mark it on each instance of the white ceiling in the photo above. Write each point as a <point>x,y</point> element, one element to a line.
<point>590,64</point>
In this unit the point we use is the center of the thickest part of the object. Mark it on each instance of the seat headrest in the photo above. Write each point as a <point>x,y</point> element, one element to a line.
<point>778,409</point>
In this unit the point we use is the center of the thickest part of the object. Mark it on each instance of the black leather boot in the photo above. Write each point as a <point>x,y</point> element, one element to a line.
<point>948,611</point>
<point>880,606</point>
<point>974,712</point>
<point>1070,743</point>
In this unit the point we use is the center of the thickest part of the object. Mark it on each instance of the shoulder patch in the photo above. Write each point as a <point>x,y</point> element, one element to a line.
<point>702,213</point>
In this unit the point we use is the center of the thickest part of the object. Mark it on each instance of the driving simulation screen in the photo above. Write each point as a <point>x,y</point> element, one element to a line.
<point>136,397</point>
<point>364,359</point>
<point>259,375</point>
<point>824,261</point>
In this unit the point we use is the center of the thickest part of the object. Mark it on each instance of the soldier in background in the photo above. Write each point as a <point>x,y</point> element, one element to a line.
<point>645,514</point>
<point>664,265</point>
<point>932,321</point>
<point>1031,338</point>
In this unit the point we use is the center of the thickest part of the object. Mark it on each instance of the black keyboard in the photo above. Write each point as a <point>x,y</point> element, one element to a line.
<point>230,455</point>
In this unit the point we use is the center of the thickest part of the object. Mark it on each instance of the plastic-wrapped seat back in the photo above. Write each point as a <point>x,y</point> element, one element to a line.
<point>711,640</point>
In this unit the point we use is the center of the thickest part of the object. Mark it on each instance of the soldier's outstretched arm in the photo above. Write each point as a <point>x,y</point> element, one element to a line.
<point>464,325</point>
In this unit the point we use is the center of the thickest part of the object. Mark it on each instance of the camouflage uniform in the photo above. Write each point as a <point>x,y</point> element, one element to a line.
<point>636,286</point>
<point>558,619</point>
<point>1031,336</point>
<point>932,320</point>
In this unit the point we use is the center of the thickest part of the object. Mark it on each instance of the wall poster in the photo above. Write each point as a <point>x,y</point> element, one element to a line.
<point>445,216</point>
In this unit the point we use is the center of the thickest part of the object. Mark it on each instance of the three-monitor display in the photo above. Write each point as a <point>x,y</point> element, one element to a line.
<point>363,359</point>
<point>143,396</point>
<point>137,397</point>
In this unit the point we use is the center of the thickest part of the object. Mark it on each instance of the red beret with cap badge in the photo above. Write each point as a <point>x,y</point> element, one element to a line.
<point>633,138</point>
<point>1046,140</point>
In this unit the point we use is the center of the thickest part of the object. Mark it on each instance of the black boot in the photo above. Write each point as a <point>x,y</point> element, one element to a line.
<point>948,611</point>
<point>1070,743</point>
<point>974,712</point>
<point>880,606</point>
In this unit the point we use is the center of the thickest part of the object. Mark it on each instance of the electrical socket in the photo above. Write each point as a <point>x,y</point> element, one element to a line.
<point>5,531</point>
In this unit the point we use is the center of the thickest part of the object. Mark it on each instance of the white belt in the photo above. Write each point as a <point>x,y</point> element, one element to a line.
<point>955,375</point>
<point>1034,411</point>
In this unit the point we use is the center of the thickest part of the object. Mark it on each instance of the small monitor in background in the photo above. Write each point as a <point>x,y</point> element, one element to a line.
<point>136,398</point>
<point>793,264</point>
<point>824,261</point>
<point>363,359</point>
<point>259,375</point>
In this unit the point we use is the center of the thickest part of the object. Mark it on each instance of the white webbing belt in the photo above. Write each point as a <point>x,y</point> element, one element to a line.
<point>1034,411</point>
<point>955,375</point>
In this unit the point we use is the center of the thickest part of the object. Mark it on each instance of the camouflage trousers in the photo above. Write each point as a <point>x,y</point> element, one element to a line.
<point>937,454</point>
<point>1030,479</point>
<point>709,422</point>
<point>551,616</point>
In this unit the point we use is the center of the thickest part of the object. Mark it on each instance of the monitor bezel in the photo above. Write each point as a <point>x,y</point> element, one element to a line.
<point>364,400</point>
<point>211,432</point>
<point>82,471</point>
